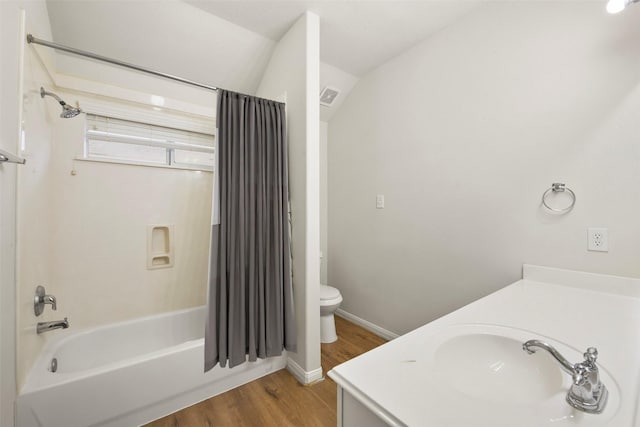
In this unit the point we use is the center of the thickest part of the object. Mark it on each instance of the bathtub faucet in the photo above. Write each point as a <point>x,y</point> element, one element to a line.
<point>587,393</point>
<point>50,326</point>
<point>41,299</point>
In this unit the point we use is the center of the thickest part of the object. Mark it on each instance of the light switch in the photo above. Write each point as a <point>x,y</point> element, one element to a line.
<point>380,201</point>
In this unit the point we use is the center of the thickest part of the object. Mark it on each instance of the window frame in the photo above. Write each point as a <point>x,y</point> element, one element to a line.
<point>169,146</point>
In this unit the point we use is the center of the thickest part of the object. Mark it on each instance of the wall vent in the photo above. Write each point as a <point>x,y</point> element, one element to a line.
<point>328,95</point>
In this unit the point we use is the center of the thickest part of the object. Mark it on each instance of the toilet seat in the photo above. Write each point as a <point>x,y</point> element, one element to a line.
<point>328,293</point>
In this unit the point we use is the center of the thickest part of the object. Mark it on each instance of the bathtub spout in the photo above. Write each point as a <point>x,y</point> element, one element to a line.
<point>50,326</point>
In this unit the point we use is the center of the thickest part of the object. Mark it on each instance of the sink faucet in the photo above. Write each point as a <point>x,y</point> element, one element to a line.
<point>50,326</point>
<point>587,393</point>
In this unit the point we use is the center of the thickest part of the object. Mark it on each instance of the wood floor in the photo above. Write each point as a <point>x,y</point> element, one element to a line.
<point>278,399</point>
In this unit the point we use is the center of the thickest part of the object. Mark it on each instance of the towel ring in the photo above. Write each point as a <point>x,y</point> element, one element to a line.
<point>559,187</point>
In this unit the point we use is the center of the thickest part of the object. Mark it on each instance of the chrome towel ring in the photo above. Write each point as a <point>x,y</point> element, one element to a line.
<point>559,187</point>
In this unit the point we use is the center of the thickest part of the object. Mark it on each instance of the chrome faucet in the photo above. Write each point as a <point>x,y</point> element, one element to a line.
<point>587,393</point>
<point>50,326</point>
<point>50,299</point>
<point>40,299</point>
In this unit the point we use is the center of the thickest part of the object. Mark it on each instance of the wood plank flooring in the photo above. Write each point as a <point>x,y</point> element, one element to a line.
<point>278,399</point>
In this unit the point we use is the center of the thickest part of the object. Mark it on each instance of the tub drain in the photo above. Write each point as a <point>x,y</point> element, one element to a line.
<point>54,364</point>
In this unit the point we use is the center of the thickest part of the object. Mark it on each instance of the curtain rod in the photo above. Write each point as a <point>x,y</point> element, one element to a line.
<point>31,39</point>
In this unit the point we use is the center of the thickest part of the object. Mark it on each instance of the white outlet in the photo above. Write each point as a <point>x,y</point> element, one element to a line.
<point>598,239</point>
<point>380,201</point>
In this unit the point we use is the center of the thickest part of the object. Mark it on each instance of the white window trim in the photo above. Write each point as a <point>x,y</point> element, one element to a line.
<point>151,142</point>
<point>150,115</point>
<point>146,165</point>
<point>196,126</point>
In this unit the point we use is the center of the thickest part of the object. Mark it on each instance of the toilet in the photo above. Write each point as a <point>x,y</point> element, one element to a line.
<point>330,300</point>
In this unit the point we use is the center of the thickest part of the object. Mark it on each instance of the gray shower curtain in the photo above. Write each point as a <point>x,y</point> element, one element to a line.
<point>250,299</point>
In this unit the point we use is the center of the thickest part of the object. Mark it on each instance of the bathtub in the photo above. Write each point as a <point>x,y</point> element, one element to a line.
<point>128,373</point>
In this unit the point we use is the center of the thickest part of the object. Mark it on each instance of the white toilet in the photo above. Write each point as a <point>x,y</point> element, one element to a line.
<point>330,300</point>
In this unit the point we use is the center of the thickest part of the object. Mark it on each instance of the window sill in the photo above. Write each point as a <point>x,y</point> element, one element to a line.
<point>149,165</point>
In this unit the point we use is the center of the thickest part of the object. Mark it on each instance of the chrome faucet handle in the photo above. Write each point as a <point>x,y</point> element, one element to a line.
<point>580,375</point>
<point>40,299</point>
<point>591,355</point>
<point>588,370</point>
<point>50,299</point>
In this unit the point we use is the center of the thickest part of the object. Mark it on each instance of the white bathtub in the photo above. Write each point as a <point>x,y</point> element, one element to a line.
<point>128,373</point>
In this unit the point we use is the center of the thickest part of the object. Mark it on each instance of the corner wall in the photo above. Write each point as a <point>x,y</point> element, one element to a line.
<point>10,17</point>
<point>462,134</point>
<point>293,76</point>
<point>16,17</point>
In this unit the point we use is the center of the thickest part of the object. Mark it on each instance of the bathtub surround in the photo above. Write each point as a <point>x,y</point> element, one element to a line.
<point>250,311</point>
<point>293,76</point>
<point>99,240</point>
<point>462,134</point>
<point>22,76</point>
<point>100,218</point>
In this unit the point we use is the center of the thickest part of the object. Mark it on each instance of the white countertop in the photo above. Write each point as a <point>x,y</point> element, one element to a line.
<point>576,309</point>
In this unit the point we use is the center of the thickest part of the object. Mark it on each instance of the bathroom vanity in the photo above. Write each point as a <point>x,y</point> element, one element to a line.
<point>469,368</point>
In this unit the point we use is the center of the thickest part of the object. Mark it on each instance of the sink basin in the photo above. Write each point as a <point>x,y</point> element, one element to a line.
<point>495,368</point>
<point>481,376</point>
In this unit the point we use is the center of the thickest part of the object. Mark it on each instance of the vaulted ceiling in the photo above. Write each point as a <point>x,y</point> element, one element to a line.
<point>228,43</point>
<point>355,36</point>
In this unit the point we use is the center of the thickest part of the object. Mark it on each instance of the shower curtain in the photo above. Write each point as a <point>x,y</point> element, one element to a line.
<point>250,299</point>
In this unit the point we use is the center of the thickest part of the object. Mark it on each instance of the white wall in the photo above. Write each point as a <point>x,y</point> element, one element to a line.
<point>173,37</point>
<point>293,74</point>
<point>337,79</point>
<point>462,134</point>
<point>324,128</point>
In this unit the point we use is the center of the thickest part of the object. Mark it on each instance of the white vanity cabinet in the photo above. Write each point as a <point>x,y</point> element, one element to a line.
<point>469,368</point>
<point>354,413</point>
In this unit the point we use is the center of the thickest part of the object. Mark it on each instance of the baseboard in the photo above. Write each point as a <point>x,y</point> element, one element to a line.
<point>381,332</point>
<point>303,377</point>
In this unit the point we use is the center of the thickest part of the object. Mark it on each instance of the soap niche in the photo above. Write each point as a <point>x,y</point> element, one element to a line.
<point>159,246</point>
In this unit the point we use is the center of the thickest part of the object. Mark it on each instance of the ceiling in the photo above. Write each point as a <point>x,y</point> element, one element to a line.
<point>355,36</point>
<point>229,45</point>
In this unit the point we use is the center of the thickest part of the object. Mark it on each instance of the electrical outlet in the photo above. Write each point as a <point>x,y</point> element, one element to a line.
<point>380,201</point>
<point>598,239</point>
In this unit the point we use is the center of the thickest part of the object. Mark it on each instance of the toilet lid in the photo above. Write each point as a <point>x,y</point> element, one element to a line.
<point>328,292</point>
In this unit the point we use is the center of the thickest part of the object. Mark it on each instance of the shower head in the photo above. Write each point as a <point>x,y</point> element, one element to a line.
<point>67,110</point>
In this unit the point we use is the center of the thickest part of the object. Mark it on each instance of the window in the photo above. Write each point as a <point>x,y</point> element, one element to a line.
<point>125,141</point>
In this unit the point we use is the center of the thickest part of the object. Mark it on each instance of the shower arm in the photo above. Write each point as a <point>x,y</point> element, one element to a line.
<point>68,111</point>
<point>44,93</point>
